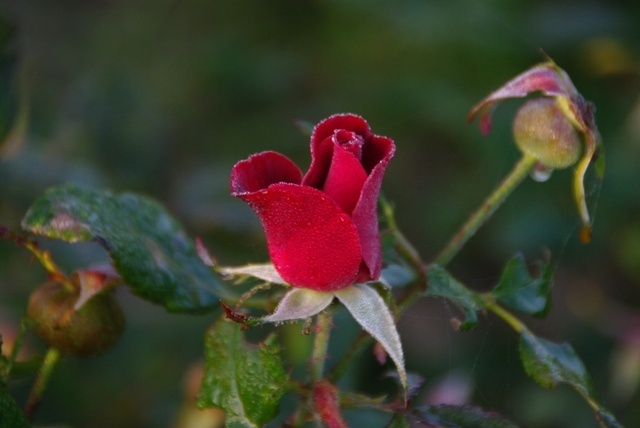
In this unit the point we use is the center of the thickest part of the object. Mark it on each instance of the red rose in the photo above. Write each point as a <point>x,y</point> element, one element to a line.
<point>321,229</point>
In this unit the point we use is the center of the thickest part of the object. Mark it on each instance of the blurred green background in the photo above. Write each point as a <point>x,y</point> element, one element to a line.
<point>163,97</point>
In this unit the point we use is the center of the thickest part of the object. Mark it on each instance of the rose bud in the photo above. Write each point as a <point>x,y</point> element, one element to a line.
<point>553,82</point>
<point>541,129</point>
<point>89,330</point>
<point>321,229</point>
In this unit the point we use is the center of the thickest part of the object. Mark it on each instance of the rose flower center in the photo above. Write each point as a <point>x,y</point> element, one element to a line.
<point>351,142</point>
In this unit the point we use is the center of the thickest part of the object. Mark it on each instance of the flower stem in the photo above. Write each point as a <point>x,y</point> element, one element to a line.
<point>48,364</point>
<point>320,345</point>
<point>402,244</point>
<point>486,210</point>
<point>506,316</point>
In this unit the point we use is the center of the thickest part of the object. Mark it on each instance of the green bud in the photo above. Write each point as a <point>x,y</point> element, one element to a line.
<point>541,129</point>
<point>90,330</point>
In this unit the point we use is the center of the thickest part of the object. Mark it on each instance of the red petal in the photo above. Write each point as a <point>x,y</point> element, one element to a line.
<point>345,179</point>
<point>321,153</point>
<point>312,242</point>
<point>261,170</point>
<point>377,152</point>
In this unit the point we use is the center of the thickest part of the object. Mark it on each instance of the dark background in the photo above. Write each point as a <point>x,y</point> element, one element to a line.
<point>163,97</point>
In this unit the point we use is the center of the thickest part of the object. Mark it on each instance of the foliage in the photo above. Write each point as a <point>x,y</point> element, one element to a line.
<point>245,381</point>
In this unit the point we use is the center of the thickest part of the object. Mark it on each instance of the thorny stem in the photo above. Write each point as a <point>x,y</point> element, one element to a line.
<point>519,172</point>
<point>49,362</point>
<point>488,207</point>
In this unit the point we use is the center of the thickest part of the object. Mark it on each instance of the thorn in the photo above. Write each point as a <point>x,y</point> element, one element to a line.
<point>234,316</point>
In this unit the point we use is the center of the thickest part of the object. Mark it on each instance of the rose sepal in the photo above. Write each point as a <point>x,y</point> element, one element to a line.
<point>361,300</point>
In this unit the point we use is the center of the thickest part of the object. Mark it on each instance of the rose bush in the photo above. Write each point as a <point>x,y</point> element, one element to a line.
<point>321,228</point>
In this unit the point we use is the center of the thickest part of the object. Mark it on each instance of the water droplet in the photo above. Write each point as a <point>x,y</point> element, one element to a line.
<point>541,173</point>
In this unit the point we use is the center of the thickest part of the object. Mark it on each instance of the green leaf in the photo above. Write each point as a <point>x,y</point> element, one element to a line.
<point>369,310</point>
<point>148,248</point>
<point>518,290</point>
<point>10,414</point>
<point>550,363</point>
<point>442,284</point>
<point>450,416</point>
<point>245,381</point>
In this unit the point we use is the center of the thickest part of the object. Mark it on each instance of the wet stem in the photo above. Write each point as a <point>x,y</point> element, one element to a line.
<point>478,218</point>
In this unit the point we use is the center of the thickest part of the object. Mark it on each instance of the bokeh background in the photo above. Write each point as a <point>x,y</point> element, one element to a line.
<point>163,97</point>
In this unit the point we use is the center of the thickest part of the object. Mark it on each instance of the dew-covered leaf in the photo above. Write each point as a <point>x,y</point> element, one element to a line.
<point>245,381</point>
<point>452,416</point>
<point>148,248</point>
<point>442,284</point>
<point>520,291</point>
<point>369,310</point>
<point>300,303</point>
<point>10,414</point>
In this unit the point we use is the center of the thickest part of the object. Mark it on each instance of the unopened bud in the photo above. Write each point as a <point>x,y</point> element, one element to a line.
<point>541,129</point>
<point>92,329</point>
